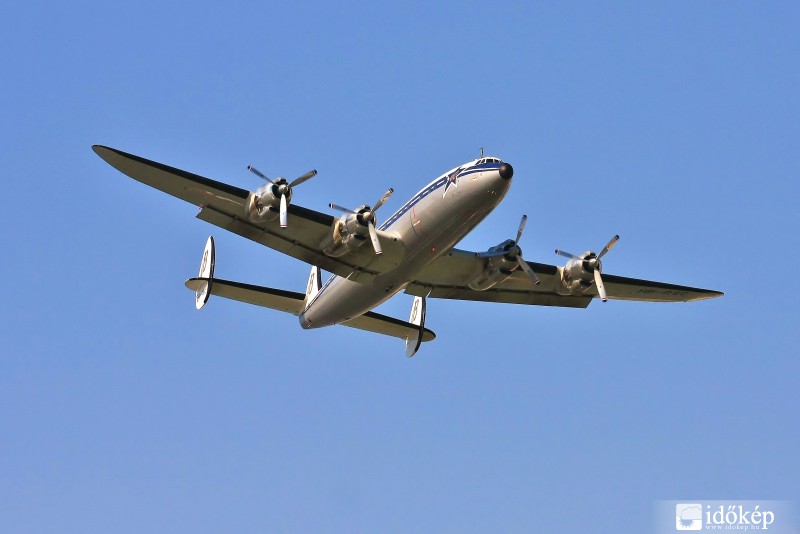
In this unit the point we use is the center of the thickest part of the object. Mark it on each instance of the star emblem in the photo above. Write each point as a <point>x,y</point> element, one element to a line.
<point>451,180</point>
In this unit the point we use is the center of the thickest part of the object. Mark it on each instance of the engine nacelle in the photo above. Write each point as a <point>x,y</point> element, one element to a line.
<point>497,268</point>
<point>578,274</point>
<point>349,233</point>
<point>264,203</point>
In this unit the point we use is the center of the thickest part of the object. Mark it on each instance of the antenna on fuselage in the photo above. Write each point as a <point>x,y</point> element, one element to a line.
<point>481,152</point>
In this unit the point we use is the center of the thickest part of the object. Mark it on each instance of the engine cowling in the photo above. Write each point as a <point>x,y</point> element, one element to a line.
<point>581,271</point>
<point>264,203</point>
<point>578,274</point>
<point>499,264</point>
<point>349,233</point>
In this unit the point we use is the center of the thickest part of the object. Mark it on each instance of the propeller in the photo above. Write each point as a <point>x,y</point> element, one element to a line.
<point>284,188</point>
<point>592,263</point>
<point>513,252</point>
<point>366,215</point>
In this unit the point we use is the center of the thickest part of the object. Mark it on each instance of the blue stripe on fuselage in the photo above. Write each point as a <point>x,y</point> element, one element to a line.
<point>433,187</point>
<point>413,202</point>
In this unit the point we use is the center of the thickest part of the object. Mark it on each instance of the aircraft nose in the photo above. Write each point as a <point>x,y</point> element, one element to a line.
<point>506,171</point>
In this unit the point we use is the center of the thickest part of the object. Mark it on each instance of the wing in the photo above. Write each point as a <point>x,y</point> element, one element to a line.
<point>292,302</point>
<point>223,205</point>
<point>447,277</point>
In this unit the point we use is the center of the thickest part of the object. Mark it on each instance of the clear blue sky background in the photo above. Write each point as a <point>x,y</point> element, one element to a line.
<point>122,409</point>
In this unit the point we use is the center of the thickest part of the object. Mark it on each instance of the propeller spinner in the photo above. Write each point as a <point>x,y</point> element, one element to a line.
<point>284,189</point>
<point>366,215</point>
<point>591,262</point>
<point>513,252</point>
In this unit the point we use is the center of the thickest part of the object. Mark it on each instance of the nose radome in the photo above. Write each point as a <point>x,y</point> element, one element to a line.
<point>506,171</point>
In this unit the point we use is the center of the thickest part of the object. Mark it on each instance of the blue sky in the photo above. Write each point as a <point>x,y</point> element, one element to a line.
<point>123,409</point>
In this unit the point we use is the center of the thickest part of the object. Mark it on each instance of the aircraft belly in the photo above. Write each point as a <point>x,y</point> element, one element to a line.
<point>344,299</point>
<point>434,226</point>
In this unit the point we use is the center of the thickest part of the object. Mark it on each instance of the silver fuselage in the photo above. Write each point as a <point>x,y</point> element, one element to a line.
<point>428,225</point>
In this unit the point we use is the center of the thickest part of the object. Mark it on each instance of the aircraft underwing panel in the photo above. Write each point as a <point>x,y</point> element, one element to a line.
<point>449,275</point>
<point>223,205</point>
<point>287,245</point>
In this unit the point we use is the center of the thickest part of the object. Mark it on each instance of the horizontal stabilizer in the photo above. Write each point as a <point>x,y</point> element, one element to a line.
<point>389,326</point>
<point>276,299</point>
<point>293,302</point>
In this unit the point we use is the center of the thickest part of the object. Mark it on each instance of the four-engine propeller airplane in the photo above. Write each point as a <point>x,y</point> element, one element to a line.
<point>412,251</point>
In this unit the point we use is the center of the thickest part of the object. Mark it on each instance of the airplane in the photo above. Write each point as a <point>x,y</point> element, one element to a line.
<point>412,251</point>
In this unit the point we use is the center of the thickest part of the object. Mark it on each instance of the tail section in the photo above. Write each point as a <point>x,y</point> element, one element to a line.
<point>204,285</point>
<point>292,302</point>
<point>206,275</point>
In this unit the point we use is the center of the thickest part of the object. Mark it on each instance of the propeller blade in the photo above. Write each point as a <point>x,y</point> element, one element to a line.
<point>600,287</point>
<point>567,254</point>
<point>522,224</point>
<point>383,199</point>
<point>608,247</point>
<point>376,243</point>
<point>340,208</point>
<point>528,270</point>
<point>284,211</point>
<point>259,173</point>
<point>307,176</point>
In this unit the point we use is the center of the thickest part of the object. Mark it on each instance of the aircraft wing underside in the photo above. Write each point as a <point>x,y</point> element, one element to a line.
<point>447,277</point>
<point>223,205</point>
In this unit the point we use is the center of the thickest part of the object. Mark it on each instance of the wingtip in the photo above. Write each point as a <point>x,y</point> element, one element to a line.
<point>194,282</point>
<point>100,150</point>
<point>428,335</point>
<point>707,295</point>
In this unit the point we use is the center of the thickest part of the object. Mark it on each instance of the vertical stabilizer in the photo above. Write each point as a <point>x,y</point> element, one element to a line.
<point>417,318</point>
<point>313,286</point>
<point>206,273</point>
